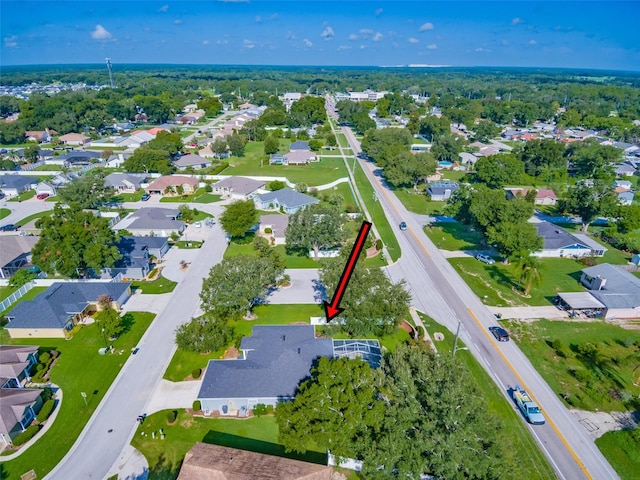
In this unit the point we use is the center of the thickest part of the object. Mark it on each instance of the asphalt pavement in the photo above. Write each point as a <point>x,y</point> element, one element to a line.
<point>438,290</point>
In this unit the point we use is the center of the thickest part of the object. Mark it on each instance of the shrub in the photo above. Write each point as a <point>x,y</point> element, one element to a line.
<point>260,409</point>
<point>269,409</point>
<point>196,372</point>
<point>559,347</point>
<point>268,230</point>
<point>46,410</point>
<point>197,406</point>
<point>208,188</point>
<point>378,244</point>
<point>351,209</point>
<point>172,416</point>
<point>47,394</point>
<point>220,168</point>
<point>25,436</point>
<point>44,357</point>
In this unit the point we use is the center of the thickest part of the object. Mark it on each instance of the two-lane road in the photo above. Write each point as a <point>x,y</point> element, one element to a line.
<point>438,290</point>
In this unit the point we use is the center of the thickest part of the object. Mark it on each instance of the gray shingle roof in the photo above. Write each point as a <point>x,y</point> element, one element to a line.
<point>299,145</point>
<point>240,185</point>
<point>621,290</point>
<point>16,181</point>
<point>52,308</point>
<point>287,197</point>
<point>13,402</point>
<point>114,180</point>
<point>154,219</point>
<point>277,359</point>
<point>191,159</point>
<point>554,237</point>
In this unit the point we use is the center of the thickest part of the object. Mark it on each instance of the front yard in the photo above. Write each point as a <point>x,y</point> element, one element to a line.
<point>4,212</point>
<point>79,369</point>
<point>455,236</point>
<point>157,286</point>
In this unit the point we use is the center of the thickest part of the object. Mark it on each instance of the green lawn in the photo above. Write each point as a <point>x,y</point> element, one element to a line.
<point>184,198</point>
<point>53,199</point>
<point>378,217</point>
<point>455,236</point>
<point>6,291</point>
<point>79,369</point>
<point>622,449</point>
<point>454,175</point>
<point>30,295</point>
<point>315,173</point>
<point>291,261</point>
<point>129,197</point>
<point>187,244</point>
<point>496,284</point>
<point>23,196</point>
<point>4,212</point>
<point>159,285</point>
<point>586,383</point>
<point>517,446</point>
<point>165,456</point>
<point>208,198</point>
<point>26,220</point>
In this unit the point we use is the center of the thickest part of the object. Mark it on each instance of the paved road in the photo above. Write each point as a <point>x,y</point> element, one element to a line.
<point>96,450</point>
<point>439,291</point>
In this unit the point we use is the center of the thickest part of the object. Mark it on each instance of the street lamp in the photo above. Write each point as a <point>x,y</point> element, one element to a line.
<point>105,339</point>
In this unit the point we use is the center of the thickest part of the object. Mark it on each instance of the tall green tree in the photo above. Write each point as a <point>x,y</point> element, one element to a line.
<point>495,171</point>
<point>405,168</point>
<point>527,269</point>
<point>73,241</point>
<point>316,228</point>
<point>207,333</point>
<point>515,236</point>
<point>211,105</point>
<point>589,201</point>
<point>485,130</point>
<point>236,284</point>
<point>337,408</point>
<point>239,217</point>
<point>592,160</point>
<point>109,322</point>
<point>236,144</point>
<point>271,145</point>
<point>32,153</point>
<point>169,142</point>
<point>541,156</point>
<point>87,191</point>
<point>147,160</point>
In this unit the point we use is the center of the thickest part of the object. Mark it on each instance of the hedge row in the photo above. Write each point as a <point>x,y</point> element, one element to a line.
<point>46,410</point>
<point>25,436</point>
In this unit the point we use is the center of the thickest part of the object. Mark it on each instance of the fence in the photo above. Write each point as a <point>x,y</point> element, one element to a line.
<point>15,296</point>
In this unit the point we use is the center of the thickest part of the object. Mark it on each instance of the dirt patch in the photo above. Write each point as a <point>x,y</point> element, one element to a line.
<point>372,252</point>
<point>598,423</point>
<point>407,327</point>
<point>231,352</point>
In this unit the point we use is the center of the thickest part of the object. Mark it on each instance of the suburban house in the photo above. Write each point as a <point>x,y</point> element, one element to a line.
<point>40,136</point>
<point>441,191</point>
<point>467,159</point>
<point>615,288</point>
<point>624,169</point>
<point>18,408</point>
<point>74,139</point>
<point>153,222</point>
<point>207,461</point>
<point>170,183</point>
<point>296,157</point>
<point>272,227</point>
<point>559,243</point>
<point>116,160</point>
<point>545,196</point>
<point>124,182</point>
<point>15,253</point>
<point>273,362</point>
<point>14,185</point>
<point>135,263</point>
<point>636,259</point>
<point>287,200</point>
<point>625,198</point>
<point>78,157</point>
<point>191,160</point>
<point>238,188</point>
<point>622,185</point>
<point>299,145</point>
<point>46,188</point>
<point>54,312</point>
<point>15,364</point>
<point>156,246</point>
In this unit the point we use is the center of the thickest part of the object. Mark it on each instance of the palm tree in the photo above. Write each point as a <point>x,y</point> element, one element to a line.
<point>527,268</point>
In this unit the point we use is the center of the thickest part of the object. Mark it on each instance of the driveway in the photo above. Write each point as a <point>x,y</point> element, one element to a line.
<point>305,288</point>
<point>525,313</point>
<point>139,302</point>
<point>169,395</point>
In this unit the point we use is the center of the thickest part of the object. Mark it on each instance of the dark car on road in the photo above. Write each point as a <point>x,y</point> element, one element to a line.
<point>500,333</point>
<point>9,227</point>
<point>145,197</point>
<point>403,226</point>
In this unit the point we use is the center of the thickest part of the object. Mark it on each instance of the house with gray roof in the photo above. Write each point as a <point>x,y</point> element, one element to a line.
<point>287,200</point>
<point>54,312</point>
<point>14,185</point>
<point>273,227</point>
<point>626,198</point>
<point>18,408</point>
<point>191,160</point>
<point>15,253</point>
<point>299,145</point>
<point>441,191</point>
<point>273,362</point>
<point>161,222</point>
<point>617,289</point>
<point>136,256</point>
<point>124,182</point>
<point>78,157</point>
<point>558,243</point>
<point>238,188</point>
<point>46,188</point>
<point>15,364</point>
<point>624,169</point>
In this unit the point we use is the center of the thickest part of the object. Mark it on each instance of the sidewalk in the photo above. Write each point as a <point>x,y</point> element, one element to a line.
<point>131,465</point>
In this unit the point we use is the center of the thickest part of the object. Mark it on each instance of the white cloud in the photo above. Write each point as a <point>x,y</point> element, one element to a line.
<point>205,42</point>
<point>274,16</point>
<point>377,37</point>
<point>426,26</point>
<point>433,46</point>
<point>505,42</point>
<point>290,35</point>
<point>248,44</point>
<point>222,42</point>
<point>11,41</point>
<point>516,21</point>
<point>308,43</point>
<point>531,42</point>
<point>327,33</point>
<point>101,33</point>
<point>177,21</point>
<point>353,37</point>
<point>362,47</point>
<point>366,32</point>
<point>164,8</point>
<point>258,18</point>
<point>344,47</point>
<point>482,49</point>
<point>378,12</point>
<point>413,40</point>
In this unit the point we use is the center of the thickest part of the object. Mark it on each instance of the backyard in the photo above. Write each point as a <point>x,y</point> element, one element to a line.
<point>517,446</point>
<point>78,369</point>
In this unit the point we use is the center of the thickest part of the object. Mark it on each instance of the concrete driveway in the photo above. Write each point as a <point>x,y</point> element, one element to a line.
<point>305,288</point>
<point>139,302</point>
<point>169,395</point>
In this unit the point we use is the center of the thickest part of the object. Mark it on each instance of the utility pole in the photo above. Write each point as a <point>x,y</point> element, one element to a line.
<point>111,80</point>
<point>455,342</point>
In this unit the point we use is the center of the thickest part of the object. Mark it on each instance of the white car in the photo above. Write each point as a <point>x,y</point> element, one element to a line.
<point>485,259</point>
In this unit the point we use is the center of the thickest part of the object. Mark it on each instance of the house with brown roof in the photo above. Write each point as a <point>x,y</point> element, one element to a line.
<point>39,136</point>
<point>15,253</point>
<point>545,196</point>
<point>74,139</point>
<point>18,408</point>
<point>214,462</point>
<point>169,183</point>
<point>15,364</point>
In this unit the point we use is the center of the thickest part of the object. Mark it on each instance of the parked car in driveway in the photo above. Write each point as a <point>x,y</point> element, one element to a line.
<point>500,333</point>
<point>485,259</point>
<point>145,197</point>
<point>42,196</point>
<point>9,227</point>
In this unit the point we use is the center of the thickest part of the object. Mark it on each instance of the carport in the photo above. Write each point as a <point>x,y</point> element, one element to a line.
<point>581,304</point>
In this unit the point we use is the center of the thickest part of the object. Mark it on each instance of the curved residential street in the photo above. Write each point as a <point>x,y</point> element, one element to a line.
<point>438,290</point>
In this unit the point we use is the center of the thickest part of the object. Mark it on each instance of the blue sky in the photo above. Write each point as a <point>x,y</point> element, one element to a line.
<point>586,34</point>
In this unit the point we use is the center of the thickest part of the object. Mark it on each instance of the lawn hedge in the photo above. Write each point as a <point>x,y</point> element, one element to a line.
<point>25,436</point>
<point>46,410</point>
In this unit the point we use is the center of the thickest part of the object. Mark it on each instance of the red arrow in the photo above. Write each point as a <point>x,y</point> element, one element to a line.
<point>332,309</point>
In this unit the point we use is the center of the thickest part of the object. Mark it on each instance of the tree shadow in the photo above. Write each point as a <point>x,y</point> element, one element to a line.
<point>127,322</point>
<point>501,278</point>
<point>243,443</point>
<point>319,290</point>
<point>164,470</point>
